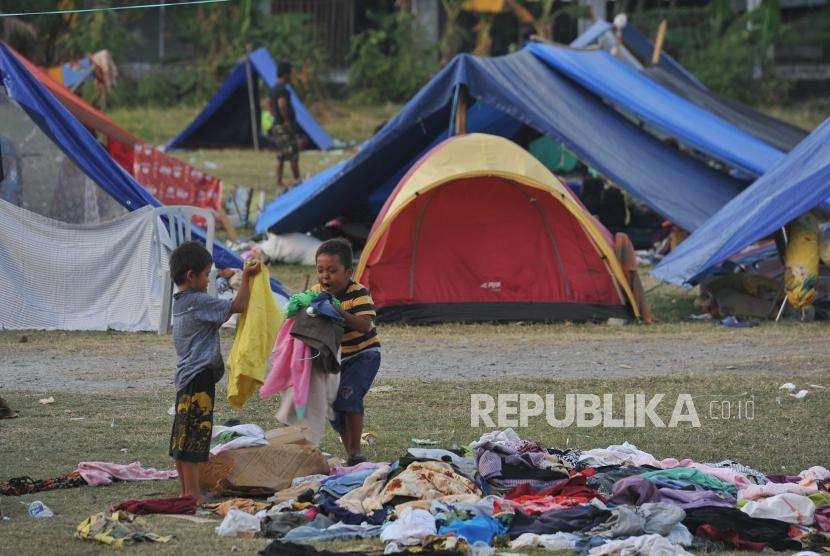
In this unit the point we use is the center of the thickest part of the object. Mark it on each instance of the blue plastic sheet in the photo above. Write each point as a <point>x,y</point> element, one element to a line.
<point>524,91</point>
<point>82,148</point>
<point>216,113</point>
<point>666,111</point>
<point>797,184</point>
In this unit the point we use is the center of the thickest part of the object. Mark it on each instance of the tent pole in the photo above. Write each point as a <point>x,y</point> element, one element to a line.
<point>658,43</point>
<point>458,125</point>
<point>251,104</point>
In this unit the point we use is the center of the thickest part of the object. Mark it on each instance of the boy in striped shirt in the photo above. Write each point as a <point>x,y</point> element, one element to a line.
<point>360,347</point>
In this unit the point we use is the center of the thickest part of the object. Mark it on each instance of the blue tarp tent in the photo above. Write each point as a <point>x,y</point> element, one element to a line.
<point>669,73</point>
<point>226,119</point>
<point>82,148</point>
<point>667,112</point>
<point>797,184</point>
<point>674,185</point>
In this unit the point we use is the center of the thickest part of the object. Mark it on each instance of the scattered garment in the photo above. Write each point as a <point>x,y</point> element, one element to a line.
<point>740,530</point>
<point>562,494</point>
<point>366,498</point>
<point>18,486</point>
<point>757,492</point>
<point>478,529</point>
<point>411,527</point>
<point>726,474</point>
<point>694,476</point>
<point>752,474</point>
<point>447,501</point>
<point>242,504</point>
<point>556,541</point>
<point>256,330</point>
<point>425,480</point>
<point>328,505</point>
<point>822,517</point>
<point>339,486</point>
<point>634,491</point>
<point>181,505</point>
<point>820,498</point>
<point>103,473</point>
<point>649,518</point>
<point>603,480</point>
<point>338,531</point>
<point>686,499</point>
<point>644,545</point>
<point>792,508</point>
<point>508,464</point>
<point>617,454</point>
<point>578,518</point>
<point>340,471</point>
<point>235,437</point>
<point>277,524</point>
<point>117,529</point>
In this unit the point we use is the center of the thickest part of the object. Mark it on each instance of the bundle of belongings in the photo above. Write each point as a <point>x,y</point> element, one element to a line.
<point>507,493</point>
<point>306,362</point>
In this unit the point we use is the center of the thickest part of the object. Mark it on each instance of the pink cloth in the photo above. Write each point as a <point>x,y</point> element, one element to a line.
<point>757,492</point>
<point>340,471</point>
<point>102,473</point>
<point>723,473</point>
<point>291,367</point>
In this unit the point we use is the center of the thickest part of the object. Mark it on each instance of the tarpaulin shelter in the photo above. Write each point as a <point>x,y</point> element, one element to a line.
<point>226,121</point>
<point>669,73</point>
<point>169,180</point>
<point>507,93</point>
<point>798,183</point>
<point>635,93</point>
<point>66,174</point>
<point>480,230</point>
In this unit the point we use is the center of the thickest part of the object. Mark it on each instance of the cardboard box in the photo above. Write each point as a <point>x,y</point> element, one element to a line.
<point>263,470</point>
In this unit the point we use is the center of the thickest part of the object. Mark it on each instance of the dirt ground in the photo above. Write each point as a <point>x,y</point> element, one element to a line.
<point>44,361</point>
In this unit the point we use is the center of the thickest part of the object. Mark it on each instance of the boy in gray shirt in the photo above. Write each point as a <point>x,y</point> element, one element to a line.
<point>197,318</point>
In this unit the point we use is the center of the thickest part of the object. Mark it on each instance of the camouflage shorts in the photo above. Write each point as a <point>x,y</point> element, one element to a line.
<point>193,423</point>
<point>285,139</point>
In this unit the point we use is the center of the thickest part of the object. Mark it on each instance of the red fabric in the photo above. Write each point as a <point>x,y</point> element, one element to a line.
<point>709,531</point>
<point>121,153</point>
<point>486,239</point>
<point>174,182</point>
<point>574,486</point>
<point>183,505</point>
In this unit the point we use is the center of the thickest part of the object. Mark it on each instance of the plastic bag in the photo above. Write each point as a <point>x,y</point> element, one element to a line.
<point>238,523</point>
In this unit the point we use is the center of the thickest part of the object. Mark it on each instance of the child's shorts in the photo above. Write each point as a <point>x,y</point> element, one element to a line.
<point>356,376</point>
<point>193,424</point>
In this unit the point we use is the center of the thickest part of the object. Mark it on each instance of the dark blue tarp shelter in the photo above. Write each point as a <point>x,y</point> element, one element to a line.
<point>797,184</point>
<point>667,112</point>
<point>669,73</point>
<point>510,91</point>
<point>81,147</point>
<point>226,119</point>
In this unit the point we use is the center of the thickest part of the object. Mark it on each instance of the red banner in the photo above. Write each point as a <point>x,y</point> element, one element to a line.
<point>174,182</point>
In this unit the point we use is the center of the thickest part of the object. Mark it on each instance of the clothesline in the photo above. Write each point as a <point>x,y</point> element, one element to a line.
<point>113,8</point>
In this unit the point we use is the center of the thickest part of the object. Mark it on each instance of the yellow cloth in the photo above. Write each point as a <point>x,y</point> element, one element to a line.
<point>266,121</point>
<point>256,331</point>
<point>117,529</point>
<point>802,256</point>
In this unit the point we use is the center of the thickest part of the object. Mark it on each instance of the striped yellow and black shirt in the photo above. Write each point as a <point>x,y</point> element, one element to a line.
<point>358,301</point>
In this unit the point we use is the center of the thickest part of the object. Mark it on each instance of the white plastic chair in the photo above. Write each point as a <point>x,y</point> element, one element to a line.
<point>175,226</point>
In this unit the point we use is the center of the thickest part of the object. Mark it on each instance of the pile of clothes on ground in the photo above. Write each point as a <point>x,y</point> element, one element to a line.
<point>508,493</point>
<point>504,493</point>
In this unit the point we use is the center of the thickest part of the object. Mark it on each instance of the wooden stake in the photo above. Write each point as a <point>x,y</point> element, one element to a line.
<point>251,104</point>
<point>223,218</point>
<point>461,111</point>
<point>658,43</point>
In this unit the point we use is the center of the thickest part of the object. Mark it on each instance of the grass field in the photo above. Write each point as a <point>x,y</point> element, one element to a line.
<point>783,436</point>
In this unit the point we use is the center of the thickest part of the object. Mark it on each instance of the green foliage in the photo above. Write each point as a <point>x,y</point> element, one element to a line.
<point>390,63</point>
<point>729,51</point>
